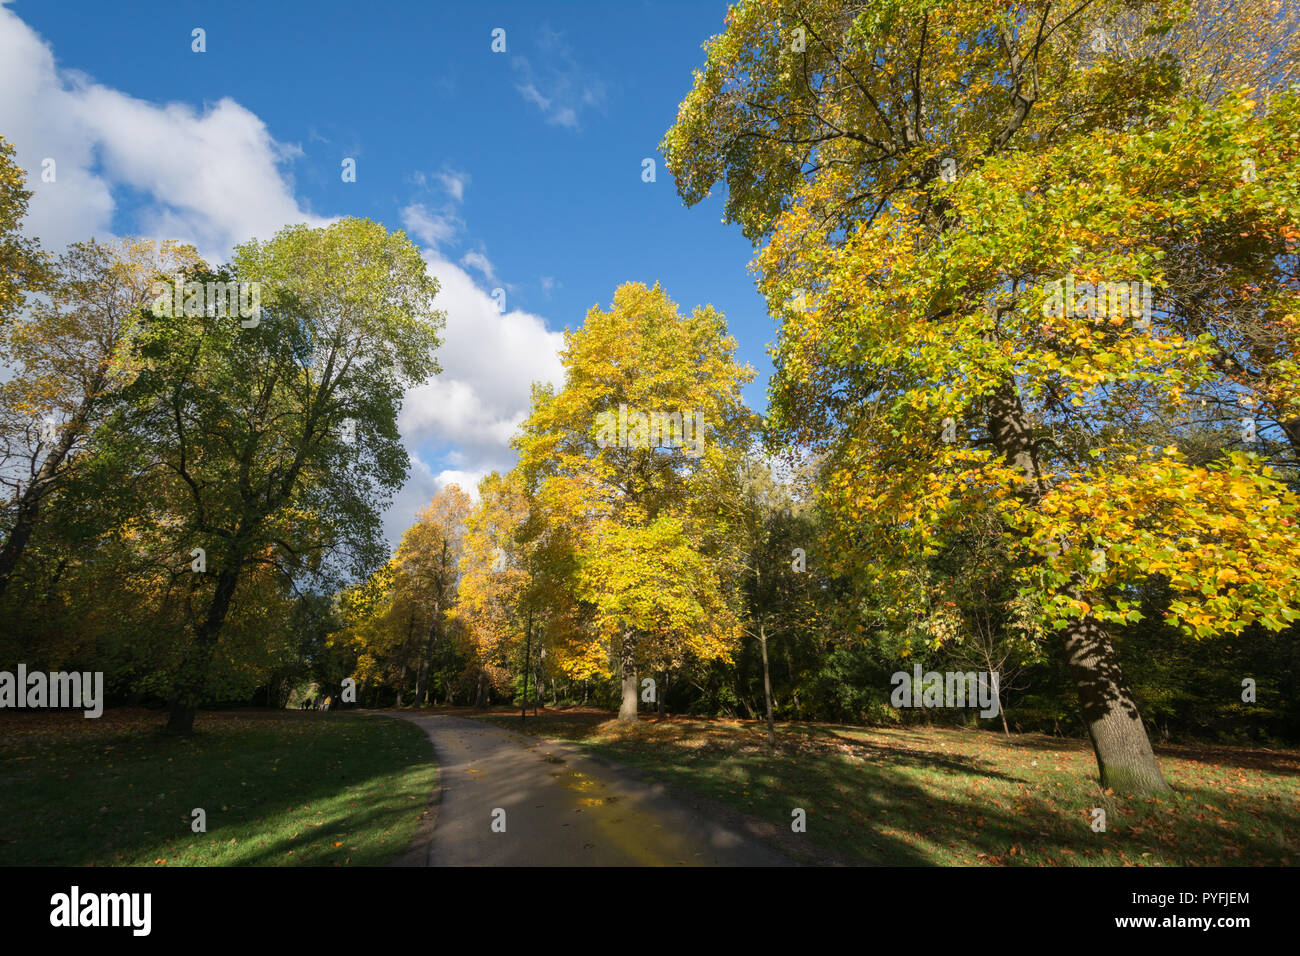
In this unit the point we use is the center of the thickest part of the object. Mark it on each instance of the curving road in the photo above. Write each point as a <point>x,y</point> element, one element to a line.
<point>562,808</point>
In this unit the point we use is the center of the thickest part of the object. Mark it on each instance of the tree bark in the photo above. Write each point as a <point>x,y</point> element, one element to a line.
<point>421,681</point>
<point>421,687</point>
<point>187,692</point>
<point>528,660</point>
<point>537,673</point>
<point>1291,428</point>
<point>1124,756</point>
<point>627,668</point>
<point>767,686</point>
<point>1125,760</point>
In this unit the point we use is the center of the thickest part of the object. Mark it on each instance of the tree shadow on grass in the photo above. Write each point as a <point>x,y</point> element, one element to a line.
<point>869,802</point>
<point>117,794</point>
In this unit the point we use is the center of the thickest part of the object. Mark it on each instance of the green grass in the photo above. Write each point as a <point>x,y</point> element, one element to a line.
<point>280,788</point>
<point>944,796</point>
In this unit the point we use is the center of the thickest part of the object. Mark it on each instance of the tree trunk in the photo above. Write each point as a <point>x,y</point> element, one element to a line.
<point>29,502</point>
<point>421,681</point>
<point>193,677</point>
<point>1124,756</point>
<point>1125,760</point>
<point>528,660</point>
<point>421,687</point>
<point>627,668</point>
<point>767,686</point>
<point>1291,428</point>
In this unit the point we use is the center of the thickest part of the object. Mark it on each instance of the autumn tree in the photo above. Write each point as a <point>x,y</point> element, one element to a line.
<point>23,266</point>
<point>774,544</point>
<point>924,177</point>
<point>627,464</point>
<point>496,602</point>
<point>426,573</point>
<point>68,356</point>
<point>1220,46</point>
<point>367,635</point>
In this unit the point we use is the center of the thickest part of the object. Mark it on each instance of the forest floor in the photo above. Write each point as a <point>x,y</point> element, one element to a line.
<point>286,788</point>
<point>929,795</point>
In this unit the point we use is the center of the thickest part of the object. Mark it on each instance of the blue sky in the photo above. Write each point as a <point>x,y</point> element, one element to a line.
<point>519,170</point>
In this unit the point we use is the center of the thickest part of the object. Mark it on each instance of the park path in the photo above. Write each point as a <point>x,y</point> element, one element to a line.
<point>562,808</point>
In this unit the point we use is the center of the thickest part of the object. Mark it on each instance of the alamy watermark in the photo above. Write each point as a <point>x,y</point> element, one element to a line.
<point>75,908</point>
<point>1112,299</point>
<point>631,428</point>
<point>949,689</point>
<point>218,299</point>
<point>56,689</point>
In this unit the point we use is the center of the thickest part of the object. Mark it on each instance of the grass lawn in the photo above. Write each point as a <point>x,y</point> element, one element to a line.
<point>961,797</point>
<point>280,788</point>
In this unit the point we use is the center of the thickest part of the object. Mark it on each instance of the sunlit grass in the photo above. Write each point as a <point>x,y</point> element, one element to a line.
<point>953,796</point>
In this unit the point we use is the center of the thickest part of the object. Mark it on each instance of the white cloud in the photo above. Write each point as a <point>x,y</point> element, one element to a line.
<point>490,361</point>
<point>530,93</point>
<point>559,87</point>
<point>466,480</point>
<point>432,228</point>
<point>213,177</point>
<point>455,184</point>
<point>421,485</point>
<point>217,177</point>
<point>466,416</point>
<point>479,260</point>
<point>565,116</point>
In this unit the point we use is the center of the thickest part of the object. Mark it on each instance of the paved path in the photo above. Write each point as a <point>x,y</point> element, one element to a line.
<point>562,808</point>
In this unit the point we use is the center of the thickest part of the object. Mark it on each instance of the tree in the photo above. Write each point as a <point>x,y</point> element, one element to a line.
<point>424,582</point>
<point>494,603</point>
<point>23,266</point>
<point>1220,45</point>
<point>1230,257</point>
<point>368,636</point>
<point>276,438</point>
<point>921,171</point>
<point>772,556</point>
<point>627,464</point>
<point>68,357</point>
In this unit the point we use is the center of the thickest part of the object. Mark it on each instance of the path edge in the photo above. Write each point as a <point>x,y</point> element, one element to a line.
<point>419,852</point>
